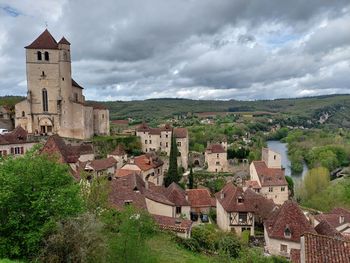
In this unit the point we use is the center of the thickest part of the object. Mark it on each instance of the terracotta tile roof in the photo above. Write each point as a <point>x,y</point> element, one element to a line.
<point>75,84</point>
<point>143,127</point>
<point>128,188</point>
<point>119,150</point>
<point>120,122</point>
<point>180,133</point>
<point>333,217</point>
<point>64,41</point>
<point>102,164</point>
<point>44,41</point>
<point>324,228</point>
<point>146,162</point>
<point>295,255</point>
<point>176,194</point>
<point>124,172</point>
<point>269,176</point>
<point>323,249</point>
<point>288,216</point>
<point>56,145</point>
<point>230,203</point>
<point>215,148</point>
<point>252,184</point>
<point>262,206</point>
<point>173,224</point>
<point>199,198</point>
<point>17,136</point>
<point>82,149</point>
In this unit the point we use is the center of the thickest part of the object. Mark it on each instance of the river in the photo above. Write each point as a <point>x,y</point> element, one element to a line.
<point>282,149</point>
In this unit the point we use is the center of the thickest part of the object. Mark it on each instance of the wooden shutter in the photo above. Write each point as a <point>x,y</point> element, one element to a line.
<point>22,150</point>
<point>12,150</point>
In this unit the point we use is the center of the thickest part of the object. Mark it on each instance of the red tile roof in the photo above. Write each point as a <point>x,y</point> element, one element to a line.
<point>56,145</point>
<point>288,216</point>
<point>173,224</point>
<point>64,41</point>
<point>324,228</point>
<point>146,162</point>
<point>102,164</point>
<point>17,136</point>
<point>323,249</point>
<point>199,197</point>
<point>269,176</point>
<point>333,217</point>
<point>215,148</point>
<point>125,172</point>
<point>262,206</point>
<point>252,184</point>
<point>295,255</point>
<point>119,150</point>
<point>176,194</point>
<point>180,133</point>
<point>44,41</point>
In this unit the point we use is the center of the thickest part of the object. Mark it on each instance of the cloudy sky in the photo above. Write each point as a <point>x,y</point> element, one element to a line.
<point>199,49</point>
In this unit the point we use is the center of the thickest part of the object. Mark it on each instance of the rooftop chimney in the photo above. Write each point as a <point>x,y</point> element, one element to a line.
<point>222,195</point>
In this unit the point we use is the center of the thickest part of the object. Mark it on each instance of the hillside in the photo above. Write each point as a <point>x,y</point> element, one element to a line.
<point>308,108</point>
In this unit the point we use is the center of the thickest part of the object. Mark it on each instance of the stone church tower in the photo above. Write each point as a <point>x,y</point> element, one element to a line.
<point>55,103</point>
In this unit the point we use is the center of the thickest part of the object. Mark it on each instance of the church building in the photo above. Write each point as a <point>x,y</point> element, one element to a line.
<point>55,103</point>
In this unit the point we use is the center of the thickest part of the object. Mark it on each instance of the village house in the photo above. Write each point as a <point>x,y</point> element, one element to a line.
<point>236,209</point>
<point>132,189</point>
<point>284,228</point>
<point>201,203</point>
<point>55,103</point>
<point>5,113</point>
<point>120,155</point>
<point>267,177</point>
<point>336,223</point>
<point>15,143</point>
<point>159,139</point>
<point>148,165</point>
<point>101,167</point>
<point>216,157</point>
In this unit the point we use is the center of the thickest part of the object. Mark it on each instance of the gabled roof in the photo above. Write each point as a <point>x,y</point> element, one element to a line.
<point>288,216</point>
<point>44,41</point>
<point>125,172</point>
<point>17,136</point>
<point>323,249</point>
<point>180,133</point>
<point>147,161</point>
<point>64,41</point>
<point>173,224</point>
<point>200,198</point>
<point>269,176</point>
<point>333,217</point>
<point>215,148</point>
<point>102,164</point>
<point>324,228</point>
<point>176,194</point>
<point>56,144</point>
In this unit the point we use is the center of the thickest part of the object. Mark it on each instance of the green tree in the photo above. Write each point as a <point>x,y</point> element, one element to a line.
<point>290,182</point>
<point>190,179</point>
<point>173,174</point>
<point>315,181</point>
<point>35,192</point>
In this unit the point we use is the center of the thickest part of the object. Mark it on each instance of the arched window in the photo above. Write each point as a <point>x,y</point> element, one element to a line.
<point>46,56</point>
<point>45,101</point>
<point>38,55</point>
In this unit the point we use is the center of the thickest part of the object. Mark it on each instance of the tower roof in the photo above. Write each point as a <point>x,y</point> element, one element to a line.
<point>44,41</point>
<point>64,41</point>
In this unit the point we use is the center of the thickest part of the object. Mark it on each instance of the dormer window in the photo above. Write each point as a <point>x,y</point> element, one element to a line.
<point>341,219</point>
<point>46,55</point>
<point>287,232</point>
<point>240,199</point>
<point>38,54</point>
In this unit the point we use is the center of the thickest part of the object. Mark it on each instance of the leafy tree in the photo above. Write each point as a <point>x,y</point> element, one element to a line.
<point>190,179</point>
<point>77,239</point>
<point>315,181</point>
<point>35,192</point>
<point>290,184</point>
<point>173,175</point>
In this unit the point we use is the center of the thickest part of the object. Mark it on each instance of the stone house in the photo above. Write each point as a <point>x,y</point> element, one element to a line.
<point>177,195</point>
<point>159,139</point>
<point>101,167</point>
<point>5,113</point>
<point>238,210</point>
<point>131,189</point>
<point>267,177</point>
<point>55,103</point>
<point>216,158</point>
<point>336,223</point>
<point>15,143</point>
<point>149,166</point>
<point>120,155</point>
<point>284,228</point>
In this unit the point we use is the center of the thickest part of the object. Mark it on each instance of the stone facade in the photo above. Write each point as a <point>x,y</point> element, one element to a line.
<point>159,139</point>
<point>55,103</point>
<point>216,157</point>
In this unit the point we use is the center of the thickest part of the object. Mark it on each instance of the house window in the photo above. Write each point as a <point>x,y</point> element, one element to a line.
<point>160,144</point>
<point>23,114</point>
<point>217,163</point>
<point>217,155</point>
<point>76,97</point>
<point>166,145</point>
<point>46,54</point>
<point>145,141</point>
<point>274,157</point>
<point>127,202</point>
<point>150,141</point>
<point>17,150</point>
<point>178,210</point>
<point>287,232</point>
<point>38,54</point>
<point>179,144</point>
<point>166,136</point>
<point>45,101</point>
<point>283,189</point>
<point>284,248</point>
<point>242,217</point>
<point>270,189</point>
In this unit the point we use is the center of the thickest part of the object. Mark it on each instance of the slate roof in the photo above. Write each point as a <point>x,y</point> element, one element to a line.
<point>215,148</point>
<point>200,198</point>
<point>75,84</point>
<point>269,176</point>
<point>323,249</point>
<point>64,41</point>
<point>288,216</point>
<point>44,41</point>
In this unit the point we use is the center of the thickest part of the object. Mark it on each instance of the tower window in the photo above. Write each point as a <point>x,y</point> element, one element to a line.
<point>76,97</point>
<point>46,56</point>
<point>45,101</point>
<point>38,55</point>
<point>23,114</point>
